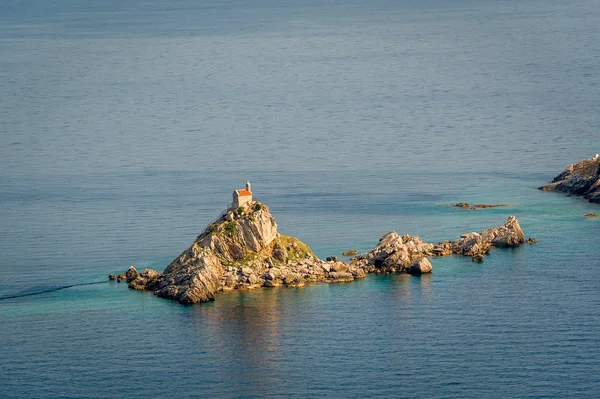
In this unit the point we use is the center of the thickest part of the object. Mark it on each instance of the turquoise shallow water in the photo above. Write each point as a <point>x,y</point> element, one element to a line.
<point>125,126</point>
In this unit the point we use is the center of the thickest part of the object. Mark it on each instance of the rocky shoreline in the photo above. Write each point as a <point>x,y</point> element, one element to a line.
<point>243,250</point>
<point>582,178</point>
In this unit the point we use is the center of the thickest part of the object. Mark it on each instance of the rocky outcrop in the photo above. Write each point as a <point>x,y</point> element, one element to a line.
<point>243,250</point>
<point>509,235</point>
<point>582,178</point>
<point>395,254</point>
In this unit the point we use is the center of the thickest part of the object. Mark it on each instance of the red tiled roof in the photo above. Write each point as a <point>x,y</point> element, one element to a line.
<point>244,192</point>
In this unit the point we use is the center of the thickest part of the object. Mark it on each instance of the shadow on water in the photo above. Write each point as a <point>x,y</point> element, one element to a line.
<point>47,290</point>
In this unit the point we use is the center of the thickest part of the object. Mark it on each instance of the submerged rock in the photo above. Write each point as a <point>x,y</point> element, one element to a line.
<point>477,258</point>
<point>582,178</point>
<point>473,207</point>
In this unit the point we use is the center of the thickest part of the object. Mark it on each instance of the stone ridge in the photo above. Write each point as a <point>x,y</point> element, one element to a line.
<point>582,178</point>
<point>243,250</point>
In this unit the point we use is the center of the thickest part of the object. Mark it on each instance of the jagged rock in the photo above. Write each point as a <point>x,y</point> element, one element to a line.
<point>442,249</point>
<point>131,274</point>
<point>509,235</point>
<point>471,244</point>
<point>420,266</point>
<point>146,280</point>
<point>395,254</point>
<point>582,178</point>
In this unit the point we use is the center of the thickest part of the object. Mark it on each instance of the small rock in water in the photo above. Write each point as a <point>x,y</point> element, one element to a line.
<point>420,266</point>
<point>531,240</point>
<point>350,252</point>
<point>477,258</point>
<point>112,277</point>
<point>591,215</point>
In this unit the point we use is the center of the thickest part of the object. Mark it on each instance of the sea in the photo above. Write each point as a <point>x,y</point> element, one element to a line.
<point>126,125</point>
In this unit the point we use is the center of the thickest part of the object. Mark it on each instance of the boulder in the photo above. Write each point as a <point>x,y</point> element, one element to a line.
<point>477,258</point>
<point>419,266</point>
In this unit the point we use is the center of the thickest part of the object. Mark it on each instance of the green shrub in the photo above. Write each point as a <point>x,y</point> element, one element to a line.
<point>230,228</point>
<point>257,207</point>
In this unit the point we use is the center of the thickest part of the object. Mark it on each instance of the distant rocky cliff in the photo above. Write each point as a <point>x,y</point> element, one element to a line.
<point>582,178</point>
<point>243,250</point>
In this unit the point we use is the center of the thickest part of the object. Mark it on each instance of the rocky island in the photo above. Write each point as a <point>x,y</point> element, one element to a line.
<point>582,178</point>
<point>242,249</point>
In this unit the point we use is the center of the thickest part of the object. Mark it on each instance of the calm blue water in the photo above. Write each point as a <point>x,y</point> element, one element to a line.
<point>124,127</point>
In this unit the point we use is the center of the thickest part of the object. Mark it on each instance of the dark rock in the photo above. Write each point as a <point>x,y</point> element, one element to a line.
<point>582,178</point>
<point>131,274</point>
<point>331,259</point>
<point>112,277</point>
<point>477,206</point>
<point>531,240</point>
<point>477,258</point>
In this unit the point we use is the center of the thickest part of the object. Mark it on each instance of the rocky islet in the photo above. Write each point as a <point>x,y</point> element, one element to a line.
<point>581,178</point>
<point>242,249</point>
